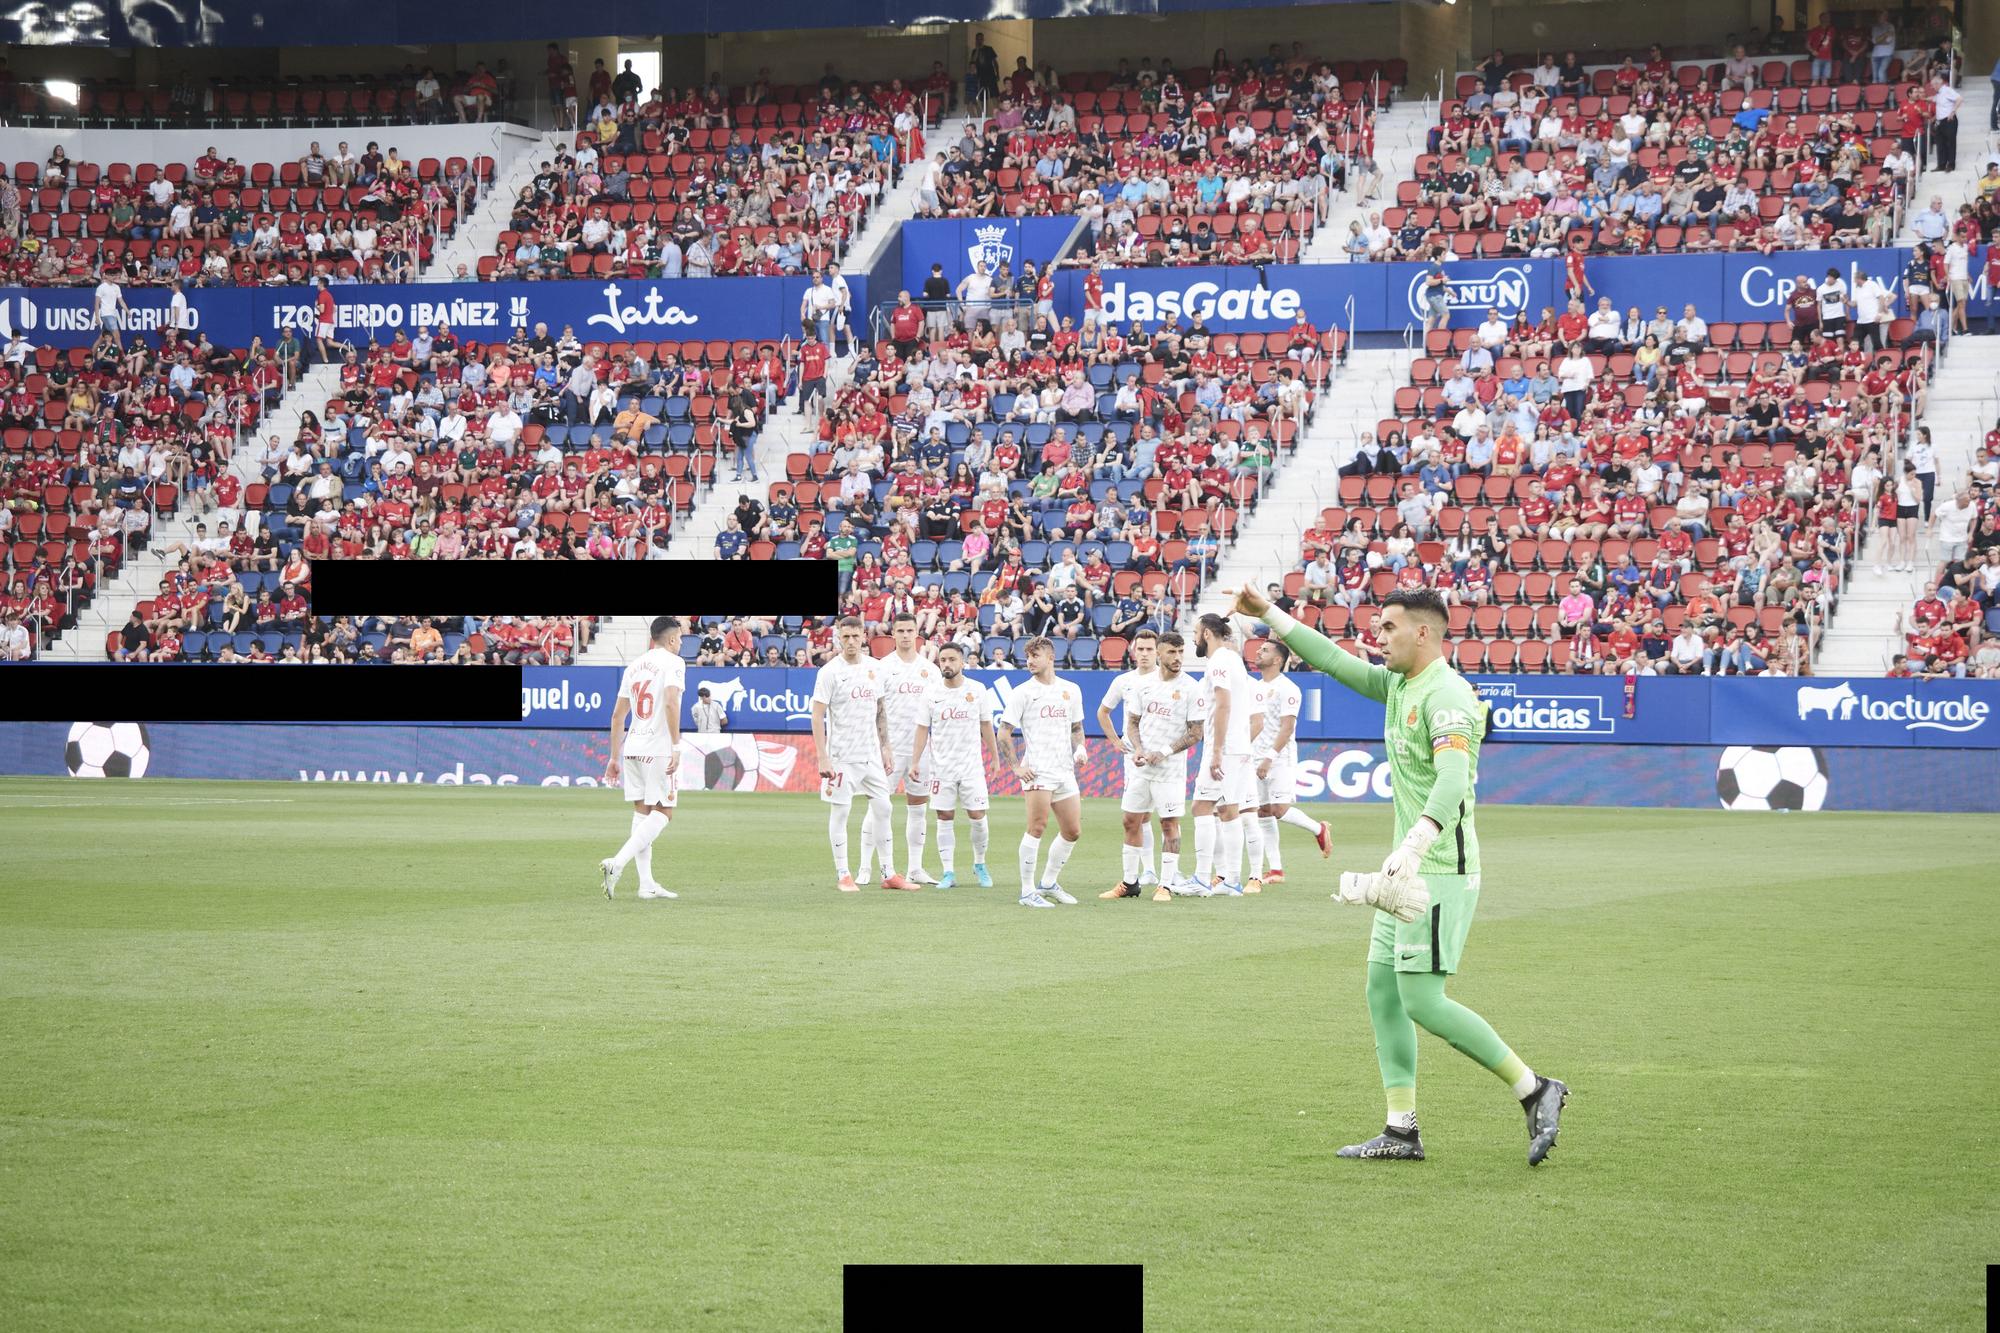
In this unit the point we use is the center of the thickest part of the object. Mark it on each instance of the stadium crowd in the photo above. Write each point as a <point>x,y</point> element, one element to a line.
<point>1658,157</point>
<point>706,182</point>
<point>1953,629</point>
<point>1612,493</point>
<point>1235,162</point>
<point>367,216</point>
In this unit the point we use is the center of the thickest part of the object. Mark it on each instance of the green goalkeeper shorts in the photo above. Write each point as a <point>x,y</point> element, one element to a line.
<point>1435,941</point>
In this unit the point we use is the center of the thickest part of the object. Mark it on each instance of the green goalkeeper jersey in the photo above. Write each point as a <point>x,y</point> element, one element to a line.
<point>1428,721</point>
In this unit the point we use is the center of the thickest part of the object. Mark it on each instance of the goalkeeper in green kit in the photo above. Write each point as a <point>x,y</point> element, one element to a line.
<point>1428,888</point>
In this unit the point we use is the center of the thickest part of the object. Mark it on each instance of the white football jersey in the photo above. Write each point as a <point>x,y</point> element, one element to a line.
<point>645,684</point>
<point>1044,714</point>
<point>954,715</point>
<point>1278,699</point>
<point>1166,709</point>
<point>1225,673</point>
<point>1125,691</point>
<point>851,695</point>
<point>905,686</point>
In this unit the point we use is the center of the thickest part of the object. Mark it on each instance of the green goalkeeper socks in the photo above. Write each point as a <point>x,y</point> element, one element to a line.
<point>1400,1002</point>
<point>1395,1039</point>
<point>1423,997</point>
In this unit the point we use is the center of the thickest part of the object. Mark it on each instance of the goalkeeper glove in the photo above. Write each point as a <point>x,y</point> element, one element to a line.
<point>1403,862</point>
<point>1406,899</point>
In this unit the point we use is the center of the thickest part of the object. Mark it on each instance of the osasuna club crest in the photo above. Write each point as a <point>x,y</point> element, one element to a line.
<point>992,248</point>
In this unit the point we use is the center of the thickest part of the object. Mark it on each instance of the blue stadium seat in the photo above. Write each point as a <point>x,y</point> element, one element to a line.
<point>766,641</point>
<point>787,551</point>
<point>1118,554</point>
<point>675,408</point>
<point>655,437</point>
<point>690,647</point>
<point>680,435</point>
<point>1100,618</point>
<point>992,641</point>
<point>1003,403</point>
<point>957,434</point>
<point>795,643</point>
<point>959,582</point>
<point>924,554</point>
<point>452,643</point>
<point>653,407</point>
<point>194,643</point>
<point>1037,434</point>
<point>1083,653</point>
<point>1034,554</point>
<point>1100,376</point>
<point>791,624</point>
<point>242,642</point>
<point>948,551</point>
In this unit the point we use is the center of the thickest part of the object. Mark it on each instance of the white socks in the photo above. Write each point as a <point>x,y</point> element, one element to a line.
<point>645,828</point>
<point>1130,858</point>
<point>1298,818</point>
<point>884,837</point>
<point>1407,1120</point>
<point>1229,849</point>
<point>1267,830</point>
<point>916,832</point>
<point>980,836</point>
<point>644,858</point>
<point>1170,867</point>
<point>1525,1084</point>
<point>947,845</point>
<point>1204,848</point>
<point>836,834</point>
<point>1058,858</point>
<point>1030,851</point>
<point>1253,843</point>
<point>1146,854</point>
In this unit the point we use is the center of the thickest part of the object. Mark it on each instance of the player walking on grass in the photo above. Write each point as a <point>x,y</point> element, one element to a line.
<point>1171,707</point>
<point>851,738</point>
<point>1428,888</point>
<point>910,676</point>
<point>1223,782</point>
<point>1275,754</point>
<point>952,738</point>
<point>1048,712</point>
<point>647,761</point>
<point>1118,716</point>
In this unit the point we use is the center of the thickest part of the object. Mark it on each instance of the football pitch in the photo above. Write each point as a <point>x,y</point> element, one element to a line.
<point>282,1055</point>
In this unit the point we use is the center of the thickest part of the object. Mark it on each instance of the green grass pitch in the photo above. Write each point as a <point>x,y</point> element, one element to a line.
<point>280,1056</point>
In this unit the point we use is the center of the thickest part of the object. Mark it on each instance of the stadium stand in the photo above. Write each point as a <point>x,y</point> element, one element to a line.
<point>1585,505</point>
<point>416,96</point>
<point>1000,483</point>
<point>101,441</point>
<point>766,180</point>
<point>352,217</point>
<point>1223,164</point>
<point>1658,157</point>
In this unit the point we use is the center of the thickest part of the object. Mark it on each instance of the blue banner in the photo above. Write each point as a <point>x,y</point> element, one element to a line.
<point>1661,710</point>
<point>1684,776</point>
<point>598,310</point>
<point>957,242</point>
<point>1389,297</point>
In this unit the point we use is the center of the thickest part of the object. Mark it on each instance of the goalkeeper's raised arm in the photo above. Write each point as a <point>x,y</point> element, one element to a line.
<point>1315,649</point>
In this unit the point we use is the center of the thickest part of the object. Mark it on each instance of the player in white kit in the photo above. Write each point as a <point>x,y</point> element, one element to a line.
<point>1171,709</point>
<point>1117,717</point>
<point>1048,711</point>
<point>1223,781</point>
<point>910,676</point>
<point>1275,752</point>
<point>952,739</point>
<point>851,737</point>
<point>647,760</point>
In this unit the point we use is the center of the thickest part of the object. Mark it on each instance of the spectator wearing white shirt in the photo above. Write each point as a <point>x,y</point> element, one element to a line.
<point>1951,525</point>
<point>1604,329</point>
<point>1944,123</point>
<point>709,715</point>
<point>1492,331</point>
<point>1958,280</point>
<point>503,428</point>
<point>1872,303</point>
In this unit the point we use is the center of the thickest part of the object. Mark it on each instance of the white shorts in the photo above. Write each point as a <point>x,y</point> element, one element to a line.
<point>325,330</point>
<point>1060,786</point>
<point>1238,785</point>
<point>1281,787</point>
<point>949,794</point>
<point>913,783</point>
<point>646,779</point>
<point>851,780</point>
<point>1160,791</point>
